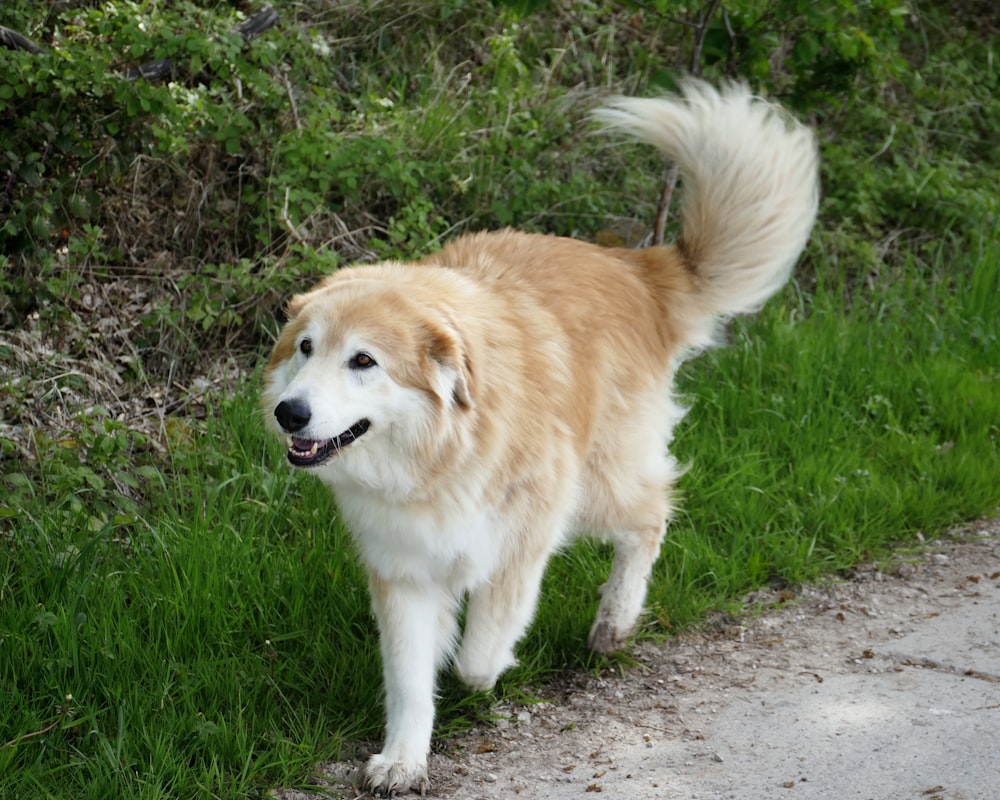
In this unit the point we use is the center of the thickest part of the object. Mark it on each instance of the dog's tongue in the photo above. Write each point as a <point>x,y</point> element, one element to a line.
<point>302,445</point>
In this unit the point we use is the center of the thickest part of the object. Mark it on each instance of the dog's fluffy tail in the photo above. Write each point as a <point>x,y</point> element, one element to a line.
<point>750,186</point>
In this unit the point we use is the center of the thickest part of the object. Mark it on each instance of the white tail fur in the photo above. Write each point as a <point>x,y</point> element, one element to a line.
<point>750,185</point>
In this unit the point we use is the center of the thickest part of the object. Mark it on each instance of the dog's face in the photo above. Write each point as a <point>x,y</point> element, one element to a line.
<point>360,378</point>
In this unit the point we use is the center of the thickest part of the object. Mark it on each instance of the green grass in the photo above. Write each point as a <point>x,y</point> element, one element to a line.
<point>187,637</point>
<point>816,443</point>
<point>215,638</point>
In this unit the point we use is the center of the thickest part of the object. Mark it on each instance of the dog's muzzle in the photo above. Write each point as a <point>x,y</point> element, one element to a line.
<point>293,416</point>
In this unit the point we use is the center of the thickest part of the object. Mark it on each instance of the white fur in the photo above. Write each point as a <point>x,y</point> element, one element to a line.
<point>750,189</point>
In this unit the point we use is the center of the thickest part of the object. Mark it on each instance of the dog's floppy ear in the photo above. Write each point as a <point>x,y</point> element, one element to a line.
<point>454,366</point>
<point>298,301</point>
<point>295,304</point>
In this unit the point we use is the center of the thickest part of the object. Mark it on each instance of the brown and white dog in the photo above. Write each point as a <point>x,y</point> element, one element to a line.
<point>474,409</point>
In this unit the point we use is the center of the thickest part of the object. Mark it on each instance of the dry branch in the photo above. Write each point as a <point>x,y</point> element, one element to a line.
<point>13,40</point>
<point>249,29</point>
<point>670,181</point>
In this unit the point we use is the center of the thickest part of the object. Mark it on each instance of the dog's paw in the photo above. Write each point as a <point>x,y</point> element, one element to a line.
<point>478,683</point>
<point>385,777</point>
<point>481,674</point>
<point>606,638</point>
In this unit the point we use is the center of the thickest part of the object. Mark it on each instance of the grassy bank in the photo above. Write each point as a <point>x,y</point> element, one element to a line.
<point>217,640</point>
<point>180,615</point>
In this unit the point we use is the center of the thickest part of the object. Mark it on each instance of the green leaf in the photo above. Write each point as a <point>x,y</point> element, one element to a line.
<point>806,50</point>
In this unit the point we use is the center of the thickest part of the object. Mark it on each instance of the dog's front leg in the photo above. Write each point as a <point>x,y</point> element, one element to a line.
<point>410,621</point>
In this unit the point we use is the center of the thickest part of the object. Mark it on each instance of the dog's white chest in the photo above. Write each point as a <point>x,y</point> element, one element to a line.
<point>448,544</point>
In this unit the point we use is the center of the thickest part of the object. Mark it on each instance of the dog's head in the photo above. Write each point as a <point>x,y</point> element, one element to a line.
<point>364,372</point>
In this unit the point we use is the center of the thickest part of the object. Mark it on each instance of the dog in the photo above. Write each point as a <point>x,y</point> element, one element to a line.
<point>474,409</point>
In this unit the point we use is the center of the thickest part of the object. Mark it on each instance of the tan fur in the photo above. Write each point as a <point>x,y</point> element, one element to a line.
<point>519,392</point>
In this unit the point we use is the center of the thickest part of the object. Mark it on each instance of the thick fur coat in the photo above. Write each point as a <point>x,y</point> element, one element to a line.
<point>472,410</point>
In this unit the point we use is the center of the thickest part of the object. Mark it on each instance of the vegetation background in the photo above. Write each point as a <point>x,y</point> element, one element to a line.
<point>180,616</point>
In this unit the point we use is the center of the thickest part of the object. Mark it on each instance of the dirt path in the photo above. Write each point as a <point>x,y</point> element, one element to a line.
<point>882,685</point>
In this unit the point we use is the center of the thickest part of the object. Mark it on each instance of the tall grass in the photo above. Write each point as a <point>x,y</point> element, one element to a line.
<point>180,653</point>
<point>218,641</point>
<point>817,442</point>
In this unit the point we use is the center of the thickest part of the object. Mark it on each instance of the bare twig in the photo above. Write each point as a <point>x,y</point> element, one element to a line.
<point>13,40</point>
<point>41,732</point>
<point>63,712</point>
<point>287,221</point>
<point>283,77</point>
<point>699,36</point>
<point>663,209</point>
<point>670,181</point>
<point>731,54</point>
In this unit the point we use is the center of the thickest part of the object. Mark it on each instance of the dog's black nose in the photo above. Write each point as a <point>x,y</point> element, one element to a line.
<point>292,415</point>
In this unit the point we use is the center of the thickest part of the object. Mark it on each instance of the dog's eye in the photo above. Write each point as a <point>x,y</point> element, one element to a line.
<point>306,347</point>
<point>361,361</point>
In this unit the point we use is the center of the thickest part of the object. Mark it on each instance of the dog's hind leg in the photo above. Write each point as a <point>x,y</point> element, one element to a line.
<point>627,502</point>
<point>624,593</point>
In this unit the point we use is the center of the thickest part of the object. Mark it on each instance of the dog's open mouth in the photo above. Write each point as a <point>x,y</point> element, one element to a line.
<point>313,452</point>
